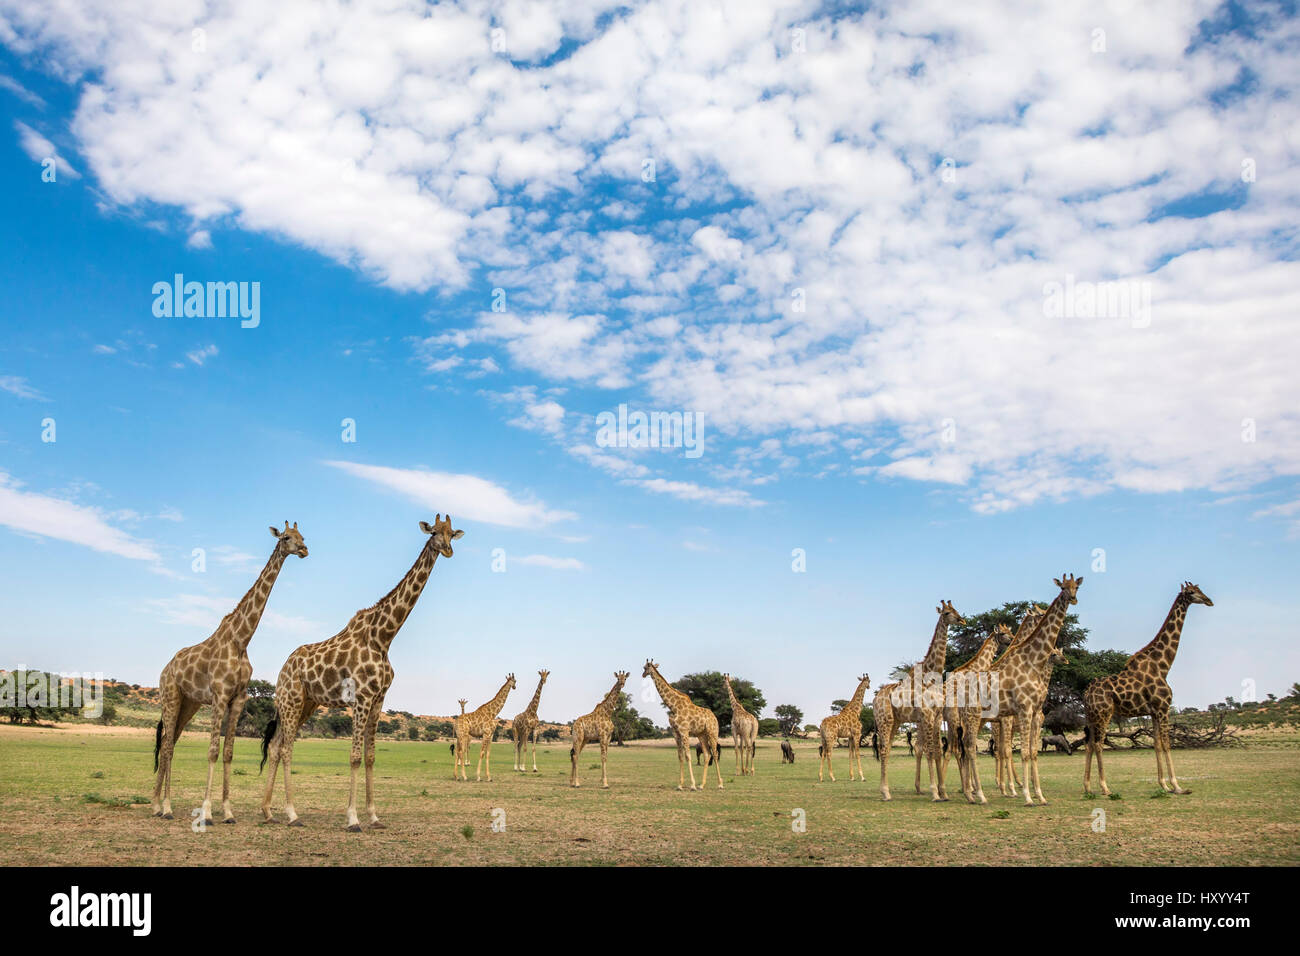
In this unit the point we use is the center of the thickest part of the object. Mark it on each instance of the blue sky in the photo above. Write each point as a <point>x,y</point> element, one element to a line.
<point>864,337</point>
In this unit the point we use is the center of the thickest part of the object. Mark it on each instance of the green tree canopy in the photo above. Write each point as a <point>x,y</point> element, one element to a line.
<point>790,717</point>
<point>628,724</point>
<point>708,690</point>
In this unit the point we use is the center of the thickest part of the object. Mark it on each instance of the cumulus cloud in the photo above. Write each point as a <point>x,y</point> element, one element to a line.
<point>843,231</point>
<point>464,496</point>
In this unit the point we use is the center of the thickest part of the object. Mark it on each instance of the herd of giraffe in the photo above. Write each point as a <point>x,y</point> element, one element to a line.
<point>351,669</point>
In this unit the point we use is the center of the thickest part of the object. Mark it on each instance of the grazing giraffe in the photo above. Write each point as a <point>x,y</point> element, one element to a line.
<point>596,726</point>
<point>1141,689</point>
<point>1006,772</point>
<point>480,723</point>
<point>960,698</point>
<point>893,704</point>
<point>847,723</point>
<point>1021,677</point>
<point>744,731</point>
<point>525,727</point>
<point>685,719</point>
<point>349,669</point>
<point>215,672</point>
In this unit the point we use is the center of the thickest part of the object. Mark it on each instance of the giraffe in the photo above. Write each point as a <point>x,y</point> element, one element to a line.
<point>1006,773</point>
<point>525,727</point>
<point>744,731</point>
<point>847,723</point>
<point>596,726</point>
<point>893,704</point>
<point>1021,681</point>
<point>215,672</point>
<point>454,720</point>
<point>1141,689</point>
<point>684,720</point>
<point>481,723</point>
<point>349,669</point>
<point>1004,730</point>
<point>960,694</point>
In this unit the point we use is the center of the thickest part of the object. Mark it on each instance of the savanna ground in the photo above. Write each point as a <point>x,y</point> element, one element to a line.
<point>79,795</point>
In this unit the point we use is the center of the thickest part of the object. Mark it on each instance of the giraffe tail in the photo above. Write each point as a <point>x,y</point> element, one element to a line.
<point>961,742</point>
<point>157,746</point>
<point>271,726</point>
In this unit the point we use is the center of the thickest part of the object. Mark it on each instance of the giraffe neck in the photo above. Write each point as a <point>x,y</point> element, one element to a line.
<point>1027,625</point>
<point>1037,647</point>
<point>670,695</point>
<point>1162,648</point>
<point>855,705</point>
<point>537,699</point>
<point>391,611</point>
<point>938,651</point>
<point>608,705</point>
<point>248,612</point>
<point>736,706</point>
<point>983,657</point>
<point>493,707</point>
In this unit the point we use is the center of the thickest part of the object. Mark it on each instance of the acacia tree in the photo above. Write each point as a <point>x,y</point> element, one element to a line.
<point>708,690</point>
<point>628,724</point>
<point>790,717</point>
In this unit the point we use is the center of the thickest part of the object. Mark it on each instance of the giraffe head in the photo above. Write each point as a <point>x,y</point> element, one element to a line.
<point>543,675</point>
<point>510,679</point>
<point>290,540</point>
<point>1058,656</point>
<point>1195,595</point>
<point>1069,585</point>
<point>949,614</point>
<point>442,534</point>
<point>1003,634</point>
<point>650,667</point>
<point>621,677</point>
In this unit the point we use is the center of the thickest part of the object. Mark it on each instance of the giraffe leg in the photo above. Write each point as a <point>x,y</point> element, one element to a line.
<point>604,760</point>
<point>1169,758</point>
<point>228,754</point>
<point>171,703</point>
<point>717,761</point>
<point>485,755</point>
<point>691,768</point>
<point>1035,729</point>
<point>886,739</point>
<point>372,726</point>
<point>971,741</point>
<point>735,742</point>
<point>930,743</point>
<point>535,770</point>
<point>1025,719</point>
<point>681,759</point>
<point>828,744</point>
<point>219,710</point>
<point>1097,722</point>
<point>360,718</point>
<point>188,708</point>
<point>290,731</point>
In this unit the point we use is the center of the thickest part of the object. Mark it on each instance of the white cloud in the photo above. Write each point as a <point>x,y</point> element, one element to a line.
<point>690,491</point>
<point>16,385</point>
<point>199,239</point>
<point>38,148</point>
<point>463,496</point>
<point>205,611</point>
<point>201,355</point>
<point>419,155</point>
<point>46,516</point>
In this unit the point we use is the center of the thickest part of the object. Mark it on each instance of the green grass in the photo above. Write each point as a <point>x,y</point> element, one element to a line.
<point>1241,810</point>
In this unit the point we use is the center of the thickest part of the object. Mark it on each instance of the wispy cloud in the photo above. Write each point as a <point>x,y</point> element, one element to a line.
<point>690,491</point>
<point>39,148</point>
<point>16,385</point>
<point>463,496</point>
<point>50,517</point>
<point>547,561</point>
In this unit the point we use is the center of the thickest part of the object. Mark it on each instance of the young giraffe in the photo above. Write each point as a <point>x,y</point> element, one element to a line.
<point>1006,771</point>
<point>481,723</point>
<point>454,723</point>
<point>525,726</point>
<point>744,731</point>
<point>685,719</point>
<point>349,669</point>
<point>1022,674</point>
<point>1141,689</point>
<point>960,697</point>
<point>893,704</point>
<point>596,726</point>
<point>847,723</point>
<point>215,672</point>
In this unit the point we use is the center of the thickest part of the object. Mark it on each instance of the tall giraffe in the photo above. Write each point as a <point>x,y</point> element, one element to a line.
<point>349,669</point>
<point>685,718</point>
<point>1141,689</point>
<point>847,723</point>
<point>893,704</point>
<point>960,696</point>
<point>596,726</point>
<point>744,731</point>
<point>215,672</point>
<point>1021,676</point>
<point>525,726</point>
<point>1007,777</point>
<point>481,723</point>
